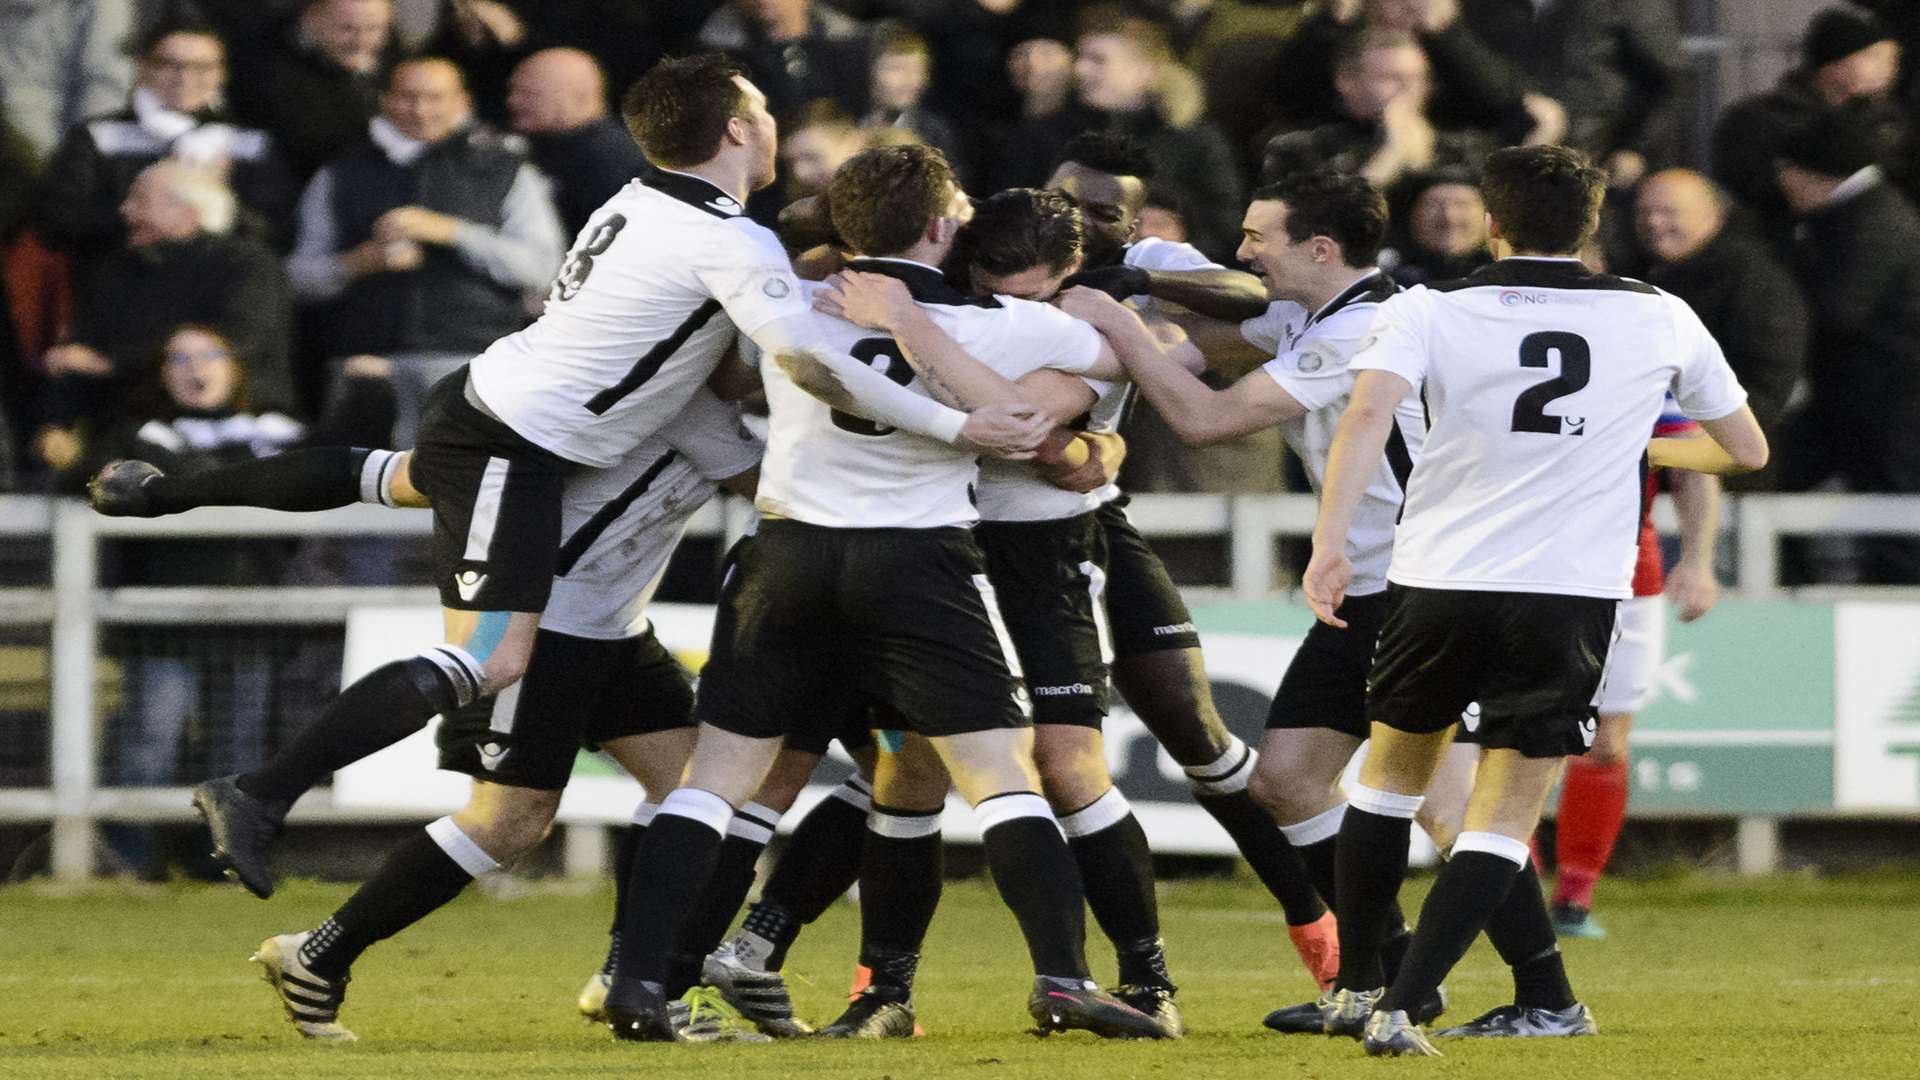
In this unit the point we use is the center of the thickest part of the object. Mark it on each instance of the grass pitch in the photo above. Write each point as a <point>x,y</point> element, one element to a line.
<point>1703,978</point>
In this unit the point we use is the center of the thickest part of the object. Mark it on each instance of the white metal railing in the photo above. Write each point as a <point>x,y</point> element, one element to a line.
<point>75,607</point>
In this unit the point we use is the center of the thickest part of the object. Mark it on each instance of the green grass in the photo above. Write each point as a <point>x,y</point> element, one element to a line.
<point>1704,978</point>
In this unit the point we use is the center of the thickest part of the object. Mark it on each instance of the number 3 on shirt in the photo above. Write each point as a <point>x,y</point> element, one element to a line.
<point>868,351</point>
<point>1576,367</point>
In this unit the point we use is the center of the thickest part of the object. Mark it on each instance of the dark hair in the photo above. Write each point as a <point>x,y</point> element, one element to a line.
<point>883,198</point>
<point>1021,228</point>
<point>153,400</point>
<point>894,38</point>
<point>1346,209</point>
<point>1117,20</point>
<point>1163,197</point>
<point>1107,152</point>
<point>678,110</point>
<point>146,43</point>
<point>425,60</point>
<point>1355,46</point>
<point>1543,198</point>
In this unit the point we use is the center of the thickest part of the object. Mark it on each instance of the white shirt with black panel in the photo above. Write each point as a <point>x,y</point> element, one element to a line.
<point>644,307</point>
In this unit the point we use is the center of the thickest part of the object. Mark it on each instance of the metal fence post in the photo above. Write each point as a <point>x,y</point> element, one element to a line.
<point>1759,547</point>
<point>75,645</point>
<point>1250,546</point>
<point>1757,846</point>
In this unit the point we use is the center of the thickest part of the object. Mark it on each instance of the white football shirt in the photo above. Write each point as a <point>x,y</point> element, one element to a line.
<point>621,524</point>
<point>1311,363</point>
<point>1542,380</point>
<point>831,468</point>
<point>644,307</point>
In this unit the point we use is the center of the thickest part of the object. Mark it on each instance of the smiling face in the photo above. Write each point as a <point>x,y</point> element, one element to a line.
<point>200,372</point>
<point>1450,219</point>
<point>427,100</point>
<point>1676,214</point>
<point>185,71</point>
<point>1286,268</point>
<point>1109,207</point>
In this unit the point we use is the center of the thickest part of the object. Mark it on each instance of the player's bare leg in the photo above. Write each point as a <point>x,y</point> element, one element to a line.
<point>1593,807</point>
<point>1168,690</point>
<point>309,970</point>
<point>486,652</point>
<point>1115,862</point>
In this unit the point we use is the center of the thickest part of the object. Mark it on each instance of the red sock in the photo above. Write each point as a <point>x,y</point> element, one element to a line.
<point>1593,803</point>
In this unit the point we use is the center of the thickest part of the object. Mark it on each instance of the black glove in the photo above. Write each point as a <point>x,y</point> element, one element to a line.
<point>1119,282</point>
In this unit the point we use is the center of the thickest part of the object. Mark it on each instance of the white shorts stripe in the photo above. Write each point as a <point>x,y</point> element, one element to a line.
<point>1097,588</point>
<point>505,705</point>
<point>992,600</point>
<point>486,509</point>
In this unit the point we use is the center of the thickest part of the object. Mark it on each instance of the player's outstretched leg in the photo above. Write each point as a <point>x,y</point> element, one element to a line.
<point>309,971</point>
<point>1543,1002</point>
<point>246,812</point>
<point>320,478</point>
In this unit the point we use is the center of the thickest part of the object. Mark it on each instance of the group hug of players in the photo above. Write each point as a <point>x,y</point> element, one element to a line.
<point>944,579</point>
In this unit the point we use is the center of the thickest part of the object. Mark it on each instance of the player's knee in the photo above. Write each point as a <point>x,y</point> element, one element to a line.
<point>1285,790</point>
<point>508,823</point>
<point>1442,827</point>
<point>1072,782</point>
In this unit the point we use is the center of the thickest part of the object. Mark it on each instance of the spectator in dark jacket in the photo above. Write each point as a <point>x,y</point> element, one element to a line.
<point>557,101</point>
<point>1122,63</point>
<point>1615,66</point>
<point>426,241</point>
<point>174,113</point>
<point>902,72</point>
<point>1857,256</point>
<point>181,264</point>
<point>1849,61</point>
<point>316,87</point>
<point>1383,131</point>
<point>1746,298</point>
<point>1445,233</point>
<point>1040,70</point>
<point>795,50</point>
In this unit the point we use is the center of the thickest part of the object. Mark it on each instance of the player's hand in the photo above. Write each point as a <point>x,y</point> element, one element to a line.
<point>874,301</point>
<point>1097,471</point>
<point>1693,590</point>
<point>1325,584</point>
<point>1095,308</point>
<point>416,223</point>
<point>1006,430</point>
<point>1119,282</point>
<point>73,359</point>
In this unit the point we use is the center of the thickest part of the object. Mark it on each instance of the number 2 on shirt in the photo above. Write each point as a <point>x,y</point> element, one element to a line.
<point>1576,367</point>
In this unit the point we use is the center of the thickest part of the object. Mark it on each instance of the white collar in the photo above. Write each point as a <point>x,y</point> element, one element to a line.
<point>400,148</point>
<point>898,259</point>
<point>1857,184</point>
<point>152,115</point>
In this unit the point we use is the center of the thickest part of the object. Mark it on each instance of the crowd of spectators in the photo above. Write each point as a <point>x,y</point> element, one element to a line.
<point>338,187</point>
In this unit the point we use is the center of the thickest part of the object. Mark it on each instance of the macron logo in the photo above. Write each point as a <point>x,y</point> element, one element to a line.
<point>1176,628</point>
<point>491,754</point>
<point>1069,690</point>
<point>469,583</point>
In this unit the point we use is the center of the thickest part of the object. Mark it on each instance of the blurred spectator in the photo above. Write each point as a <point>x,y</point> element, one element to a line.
<point>61,61</point>
<point>1850,61</point>
<point>16,185</point>
<point>902,71</point>
<point>1732,281</point>
<point>795,50</point>
<point>1615,66</point>
<point>316,86</point>
<point>1445,233</point>
<point>814,146</point>
<point>1041,72</point>
<point>196,415</point>
<point>1472,86</point>
<point>175,112</point>
<point>1122,63</point>
<point>1163,216</point>
<point>557,100</point>
<point>181,263</point>
<point>1383,132</point>
<point>1857,257</point>
<point>425,241</point>
<point>1233,46</point>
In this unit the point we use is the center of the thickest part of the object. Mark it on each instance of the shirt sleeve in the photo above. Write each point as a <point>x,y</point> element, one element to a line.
<point>1268,330</point>
<point>314,266</point>
<point>711,436</point>
<point>1317,372</point>
<point>1397,340</point>
<point>1046,337</point>
<point>1705,387</point>
<point>1154,253</point>
<point>750,275</point>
